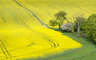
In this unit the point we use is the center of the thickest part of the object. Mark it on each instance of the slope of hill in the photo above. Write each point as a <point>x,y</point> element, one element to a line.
<point>45,9</point>
<point>22,34</point>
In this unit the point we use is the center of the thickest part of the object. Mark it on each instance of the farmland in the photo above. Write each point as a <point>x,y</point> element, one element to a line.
<point>45,9</point>
<point>22,34</point>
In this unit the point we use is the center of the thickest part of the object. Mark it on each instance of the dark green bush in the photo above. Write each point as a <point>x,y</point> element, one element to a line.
<point>89,27</point>
<point>53,23</point>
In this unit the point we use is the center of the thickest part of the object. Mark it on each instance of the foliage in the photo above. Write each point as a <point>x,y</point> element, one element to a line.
<point>79,20</point>
<point>89,26</point>
<point>78,23</point>
<point>53,23</point>
<point>60,17</point>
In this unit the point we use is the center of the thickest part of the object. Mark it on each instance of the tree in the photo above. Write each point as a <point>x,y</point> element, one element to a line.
<point>66,27</point>
<point>78,23</point>
<point>60,17</point>
<point>90,27</point>
<point>53,23</point>
<point>73,20</point>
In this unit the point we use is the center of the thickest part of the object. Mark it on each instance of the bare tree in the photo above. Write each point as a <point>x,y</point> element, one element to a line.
<point>76,20</point>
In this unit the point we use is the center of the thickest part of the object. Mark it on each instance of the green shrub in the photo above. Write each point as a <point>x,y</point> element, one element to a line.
<point>53,23</point>
<point>89,27</point>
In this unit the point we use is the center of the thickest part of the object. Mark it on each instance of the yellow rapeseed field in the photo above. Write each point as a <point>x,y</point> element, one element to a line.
<point>45,9</point>
<point>22,34</point>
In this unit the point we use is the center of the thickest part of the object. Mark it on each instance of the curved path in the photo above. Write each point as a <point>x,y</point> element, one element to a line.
<point>43,36</point>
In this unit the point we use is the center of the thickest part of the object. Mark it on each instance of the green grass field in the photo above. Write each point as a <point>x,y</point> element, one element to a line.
<point>87,52</point>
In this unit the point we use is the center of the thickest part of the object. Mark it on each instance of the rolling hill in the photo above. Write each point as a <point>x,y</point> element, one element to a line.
<point>22,34</point>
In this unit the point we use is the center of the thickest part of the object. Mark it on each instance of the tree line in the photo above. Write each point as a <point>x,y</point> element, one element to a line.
<point>84,27</point>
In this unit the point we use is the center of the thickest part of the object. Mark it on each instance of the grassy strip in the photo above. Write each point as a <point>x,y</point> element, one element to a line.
<point>87,52</point>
